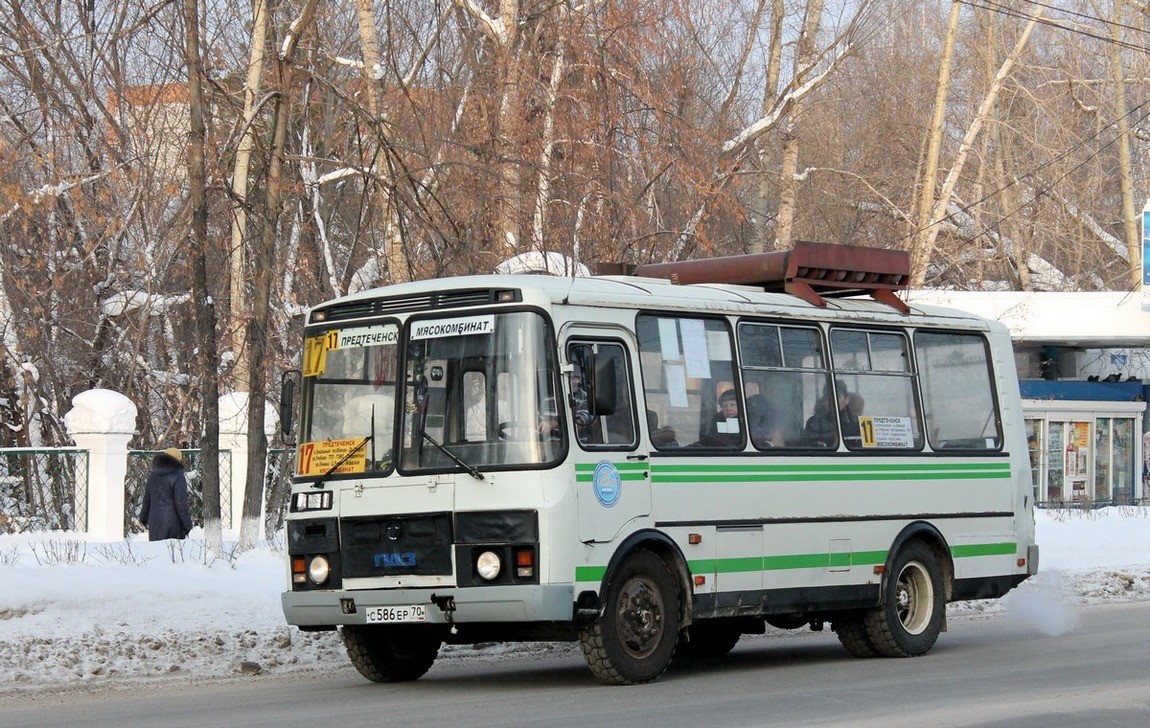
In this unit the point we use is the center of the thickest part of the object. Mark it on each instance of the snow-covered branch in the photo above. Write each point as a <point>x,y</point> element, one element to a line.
<point>493,28</point>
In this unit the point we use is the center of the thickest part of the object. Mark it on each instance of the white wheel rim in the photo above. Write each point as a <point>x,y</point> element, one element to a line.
<point>914,598</point>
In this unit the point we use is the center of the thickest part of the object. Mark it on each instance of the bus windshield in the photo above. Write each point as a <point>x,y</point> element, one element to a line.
<point>349,400</point>
<point>480,391</point>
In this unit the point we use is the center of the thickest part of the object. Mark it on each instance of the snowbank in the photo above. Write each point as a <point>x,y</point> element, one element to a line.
<point>75,612</point>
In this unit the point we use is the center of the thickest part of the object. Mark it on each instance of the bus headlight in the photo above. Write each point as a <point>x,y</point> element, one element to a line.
<point>488,565</point>
<point>319,569</point>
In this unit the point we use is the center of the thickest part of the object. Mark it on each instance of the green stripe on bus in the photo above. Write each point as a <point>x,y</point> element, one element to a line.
<point>751,564</point>
<point>585,472</point>
<point>719,473</point>
<point>983,549</point>
<point>590,573</point>
<point>784,478</point>
<point>590,477</point>
<point>801,468</point>
<point>590,467</point>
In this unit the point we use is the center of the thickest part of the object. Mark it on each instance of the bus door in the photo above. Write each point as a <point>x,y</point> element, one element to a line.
<point>612,480</point>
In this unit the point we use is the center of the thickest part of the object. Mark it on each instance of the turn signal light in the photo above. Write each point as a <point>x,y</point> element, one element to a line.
<point>525,563</point>
<point>298,570</point>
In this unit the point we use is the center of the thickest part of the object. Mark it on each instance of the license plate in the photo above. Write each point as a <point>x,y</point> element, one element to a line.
<point>385,615</point>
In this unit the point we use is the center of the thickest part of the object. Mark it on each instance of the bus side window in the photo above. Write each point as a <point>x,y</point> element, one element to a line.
<point>688,364</point>
<point>873,368</point>
<point>786,379</point>
<point>613,430</point>
<point>957,391</point>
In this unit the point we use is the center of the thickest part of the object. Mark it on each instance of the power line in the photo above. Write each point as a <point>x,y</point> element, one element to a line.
<point>1001,9</point>
<point>1081,144</point>
<point>1042,190</point>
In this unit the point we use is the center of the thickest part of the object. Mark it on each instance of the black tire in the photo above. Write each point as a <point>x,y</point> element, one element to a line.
<point>708,638</point>
<point>388,654</point>
<point>853,635</point>
<point>634,637</point>
<point>911,616</point>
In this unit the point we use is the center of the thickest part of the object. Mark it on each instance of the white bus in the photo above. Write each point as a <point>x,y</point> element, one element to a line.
<point>652,466</point>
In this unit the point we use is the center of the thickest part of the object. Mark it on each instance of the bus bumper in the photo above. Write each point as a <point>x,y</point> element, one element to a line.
<point>524,603</point>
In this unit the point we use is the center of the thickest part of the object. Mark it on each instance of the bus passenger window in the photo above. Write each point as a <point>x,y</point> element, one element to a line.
<point>957,391</point>
<point>872,368</point>
<point>786,379</point>
<point>688,364</point>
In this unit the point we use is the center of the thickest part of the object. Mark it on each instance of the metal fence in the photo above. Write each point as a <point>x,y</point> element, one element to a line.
<point>47,489</point>
<point>43,489</point>
<point>140,462</point>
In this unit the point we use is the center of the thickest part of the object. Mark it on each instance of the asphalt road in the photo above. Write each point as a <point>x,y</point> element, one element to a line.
<point>983,671</point>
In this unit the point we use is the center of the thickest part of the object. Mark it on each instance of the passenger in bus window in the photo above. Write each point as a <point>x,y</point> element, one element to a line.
<point>762,423</point>
<point>661,437</point>
<point>580,408</point>
<point>724,430</point>
<point>821,427</point>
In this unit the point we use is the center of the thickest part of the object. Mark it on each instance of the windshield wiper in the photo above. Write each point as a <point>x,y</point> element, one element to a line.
<point>319,481</point>
<point>454,458</point>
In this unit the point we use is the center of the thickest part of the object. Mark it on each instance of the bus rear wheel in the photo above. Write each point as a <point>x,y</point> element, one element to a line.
<point>388,654</point>
<point>853,635</point>
<point>909,620</point>
<point>634,637</point>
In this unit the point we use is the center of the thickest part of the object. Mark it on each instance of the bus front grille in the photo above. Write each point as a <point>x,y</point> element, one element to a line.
<point>417,544</point>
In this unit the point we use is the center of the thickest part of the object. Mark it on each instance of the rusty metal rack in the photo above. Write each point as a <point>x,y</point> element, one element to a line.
<point>810,271</point>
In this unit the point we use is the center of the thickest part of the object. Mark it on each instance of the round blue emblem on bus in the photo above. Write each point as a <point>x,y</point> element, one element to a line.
<point>607,483</point>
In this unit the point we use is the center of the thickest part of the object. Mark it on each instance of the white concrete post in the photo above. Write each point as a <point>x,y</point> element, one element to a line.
<point>234,437</point>
<point>102,422</point>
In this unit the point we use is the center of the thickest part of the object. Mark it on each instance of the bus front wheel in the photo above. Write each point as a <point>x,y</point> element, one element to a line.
<point>910,618</point>
<point>388,654</point>
<point>635,635</point>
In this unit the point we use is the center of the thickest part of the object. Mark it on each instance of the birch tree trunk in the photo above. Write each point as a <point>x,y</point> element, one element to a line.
<point>261,265</point>
<point>205,311</point>
<point>920,258</point>
<point>382,207</point>
<point>770,93</point>
<point>928,184</point>
<point>788,184</point>
<point>1125,168</point>
<point>239,297</point>
<point>543,194</point>
<point>507,139</point>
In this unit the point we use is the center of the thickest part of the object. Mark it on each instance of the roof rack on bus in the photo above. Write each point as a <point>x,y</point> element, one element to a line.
<point>810,271</point>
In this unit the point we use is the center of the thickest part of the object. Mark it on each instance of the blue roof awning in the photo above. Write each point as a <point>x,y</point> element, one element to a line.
<point>1132,391</point>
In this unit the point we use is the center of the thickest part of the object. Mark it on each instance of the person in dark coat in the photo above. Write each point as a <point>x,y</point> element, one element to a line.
<point>165,509</point>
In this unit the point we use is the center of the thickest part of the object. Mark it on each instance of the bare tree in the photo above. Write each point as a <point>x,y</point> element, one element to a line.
<point>198,247</point>
<point>261,265</point>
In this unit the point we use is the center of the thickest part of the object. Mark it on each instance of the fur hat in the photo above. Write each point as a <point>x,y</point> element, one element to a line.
<point>175,454</point>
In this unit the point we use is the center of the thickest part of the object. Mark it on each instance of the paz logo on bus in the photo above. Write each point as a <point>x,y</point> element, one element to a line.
<point>394,559</point>
<point>607,483</point>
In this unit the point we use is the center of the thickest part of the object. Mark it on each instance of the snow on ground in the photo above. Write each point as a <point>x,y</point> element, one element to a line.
<point>77,613</point>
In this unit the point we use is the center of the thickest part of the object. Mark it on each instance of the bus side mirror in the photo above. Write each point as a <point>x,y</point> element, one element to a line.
<point>287,406</point>
<point>601,389</point>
